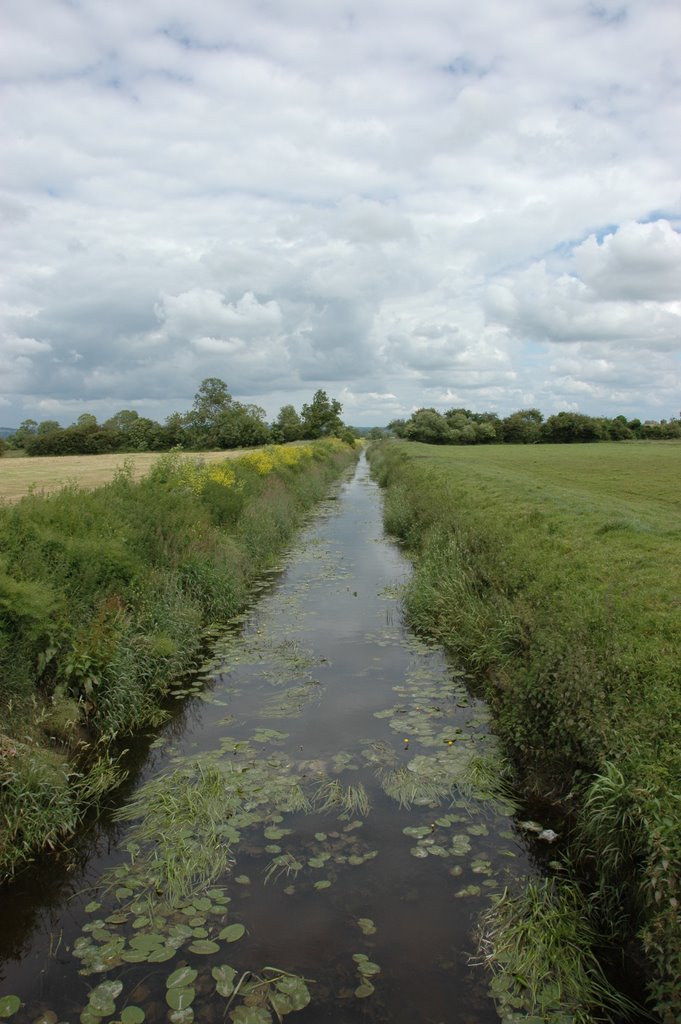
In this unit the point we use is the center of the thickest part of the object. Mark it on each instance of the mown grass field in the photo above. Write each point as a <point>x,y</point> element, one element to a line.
<point>554,571</point>
<point>45,474</point>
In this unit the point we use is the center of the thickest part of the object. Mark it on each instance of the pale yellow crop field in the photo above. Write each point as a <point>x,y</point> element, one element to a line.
<point>48,473</point>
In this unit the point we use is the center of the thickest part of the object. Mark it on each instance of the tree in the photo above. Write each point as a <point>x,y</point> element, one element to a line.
<point>211,399</point>
<point>173,433</point>
<point>87,421</point>
<point>210,402</point>
<point>572,427</point>
<point>123,420</point>
<point>429,426</point>
<point>47,427</point>
<point>24,433</point>
<point>241,426</point>
<point>322,417</point>
<point>288,425</point>
<point>618,429</point>
<point>522,427</point>
<point>398,427</point>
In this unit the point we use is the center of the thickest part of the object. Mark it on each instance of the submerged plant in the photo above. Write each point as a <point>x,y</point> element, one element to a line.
<point>283,864</point>
<point>353,801</point>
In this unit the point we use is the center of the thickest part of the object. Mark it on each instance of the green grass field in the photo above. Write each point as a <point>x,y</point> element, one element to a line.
<point>554,571</point>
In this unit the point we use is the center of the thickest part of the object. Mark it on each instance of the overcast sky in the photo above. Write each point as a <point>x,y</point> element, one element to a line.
<point>404,202</point>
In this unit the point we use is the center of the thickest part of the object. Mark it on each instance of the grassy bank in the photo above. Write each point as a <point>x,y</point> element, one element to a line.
<point>554,573</point>
<point>105,596</point>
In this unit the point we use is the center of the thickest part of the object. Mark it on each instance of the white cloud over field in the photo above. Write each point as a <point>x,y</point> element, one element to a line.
<point>405,203</point>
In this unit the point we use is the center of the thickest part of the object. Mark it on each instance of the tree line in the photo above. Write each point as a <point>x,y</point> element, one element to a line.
<point>527,426</point>
<point>215,421</point>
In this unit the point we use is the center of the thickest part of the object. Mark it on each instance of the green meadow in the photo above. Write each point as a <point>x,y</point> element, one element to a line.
<point>554,572</point>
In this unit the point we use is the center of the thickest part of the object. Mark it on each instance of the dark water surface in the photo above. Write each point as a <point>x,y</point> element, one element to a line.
<point>320,688</point>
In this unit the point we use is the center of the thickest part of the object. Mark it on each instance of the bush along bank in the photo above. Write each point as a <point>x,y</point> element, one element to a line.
<point>581,672</point>
<point>105,600</point>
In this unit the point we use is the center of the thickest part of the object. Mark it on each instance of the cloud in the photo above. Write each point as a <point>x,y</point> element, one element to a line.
<point>636,262</point>
<point>623,289</point>
<point>428,201</point>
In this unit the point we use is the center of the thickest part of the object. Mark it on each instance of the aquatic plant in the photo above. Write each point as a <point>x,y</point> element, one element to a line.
<point>352,801</point>
<point>180,843</point>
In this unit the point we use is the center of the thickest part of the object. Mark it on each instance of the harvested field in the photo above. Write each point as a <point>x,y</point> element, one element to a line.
<point>20,476</point>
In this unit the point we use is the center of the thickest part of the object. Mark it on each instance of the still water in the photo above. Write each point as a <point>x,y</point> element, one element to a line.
<point>317,821</point>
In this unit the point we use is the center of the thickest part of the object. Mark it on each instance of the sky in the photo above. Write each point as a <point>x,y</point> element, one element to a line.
<point>406,203</point>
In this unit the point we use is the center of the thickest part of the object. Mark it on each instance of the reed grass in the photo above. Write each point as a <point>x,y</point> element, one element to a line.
<point>538,945</point>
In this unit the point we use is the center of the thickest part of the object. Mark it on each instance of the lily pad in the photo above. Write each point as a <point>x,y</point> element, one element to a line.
<point>180,998</point>
<point>135,956</point>
<point>292,994</point>
<point>132,1015</point>
<point>232,932</point>
<point>367,925</point>
<point>364,990</point>
<point>367,968</point>
<point>204,947</point>
<point>185,1016</point>
<point>251,1015</point>
<point>181,978</point>
<point>9,1005</point>
<point>324,884</point>
<point>224,976</point>
<point>160,955</point>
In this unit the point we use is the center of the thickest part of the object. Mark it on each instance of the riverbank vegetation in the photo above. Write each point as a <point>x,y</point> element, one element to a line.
<point>553,571</point>
<point>105,599</point>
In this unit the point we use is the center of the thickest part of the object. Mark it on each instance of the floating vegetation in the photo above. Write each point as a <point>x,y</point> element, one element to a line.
<point>272,991</point>
<point>408,789</point>
<point>182,841</point>
<point>366,969</point>
<point>292,701</point>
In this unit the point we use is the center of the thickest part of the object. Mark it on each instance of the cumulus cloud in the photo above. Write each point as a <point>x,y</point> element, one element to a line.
<point>407,204</point>
<point>636,262</point>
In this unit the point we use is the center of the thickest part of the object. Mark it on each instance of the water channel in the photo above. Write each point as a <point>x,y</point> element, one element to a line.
<point>320,805</point>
